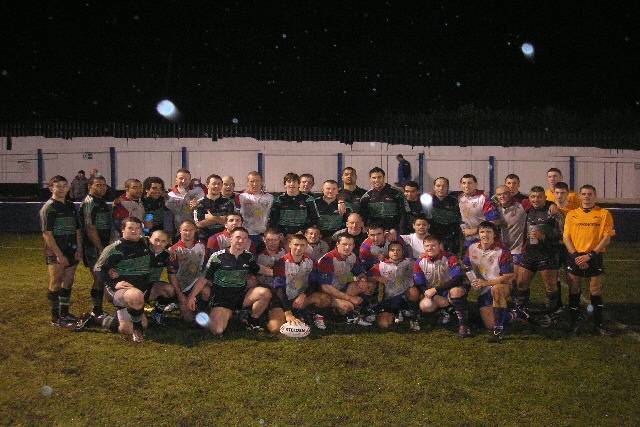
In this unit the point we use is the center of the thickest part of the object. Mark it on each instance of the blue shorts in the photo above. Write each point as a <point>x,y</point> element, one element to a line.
<point>485,299</point>
<point>394,305</point>
<point>517,258</point>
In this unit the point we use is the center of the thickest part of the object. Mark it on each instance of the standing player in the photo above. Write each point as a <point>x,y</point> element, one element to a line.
<point>438,276</point>
<point>412,195</point>
<point>63,249</point>
<point>295,288</point>
<point>292,211</point>
<point>95,218</point>
<point>415,240</point>
<point>227,272</point>
<point>330,217</point>
<point>315,247</point>
<point>383,204</point>
<point>129,204</point>
<point>157,216</point>
<point>475,208</point>
<point>343,279</point>
<point>445,216</point>
<point>554,175</point>
<point>540,252</point>
<point>512,182</point>
<point>306,184</point>
<point>493,269</point>
<point>255,205</point>
<point>184,196</point>
<point>587,233</point>
<point>228,187</point>
<point>561,194</point>
<point>210,213</point>
<point>350,191</point>
<point>398,292</point>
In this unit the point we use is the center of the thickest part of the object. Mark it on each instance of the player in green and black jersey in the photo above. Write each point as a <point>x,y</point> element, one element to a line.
<point>292,211</point>
<point>383,204</point>
<point>157,216</point>
<point>227,272</point>
<point>96,222</point>
<point>332,212</point>
<point>63,249</point>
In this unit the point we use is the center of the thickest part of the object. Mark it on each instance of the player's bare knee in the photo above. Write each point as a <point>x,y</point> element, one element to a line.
<point>427,305</point>
<point>457,292</point>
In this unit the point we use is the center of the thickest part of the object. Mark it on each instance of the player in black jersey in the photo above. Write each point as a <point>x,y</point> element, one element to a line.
<point>210,213</point>
<point>95,219</point>
<point>292,211</point>
<point>445,216</point>
<point>63,249</point>
<point>227,272</point>
<point>157,216</point>
<point>350,191</point>
<point>384,204</point>
<point>331,211</point>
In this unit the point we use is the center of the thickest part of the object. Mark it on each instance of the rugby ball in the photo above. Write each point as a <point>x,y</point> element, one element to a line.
<point>202,319</point>
<point>295,331</point>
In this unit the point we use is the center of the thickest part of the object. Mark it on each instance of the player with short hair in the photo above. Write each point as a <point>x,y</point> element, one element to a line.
<point>184,196</point>
<point>415,240</point>
<point>227,271</point>
<point>228,187</point>
<point>561,194</point>
<point>292,211</point>
<point>342,277</point>
<point>395,276</point>
<point>153,201</point>
<point>161,292</point>
<point>475,207</point>
<point>554,175</point>
<point>315,247</point>
<point>383,204</point>
<point>211,211</point>
<point>587,233</point>
<point>273,250</point>
<point>412,195</point>
<point>331,210</point>
<point>438,276</point>
<point>96,225</point>
<point>63,249</point>
<point>512,182</point>
<point>222,240</point>
<point>445,216</point>
<point>375,247</point>
<point>350,192</point>
<point>493,269</point>
<point>355,228</point>
<point>295,288</point>
<point>129,204</point>
<point>306,184</point>
<point>254,205</point>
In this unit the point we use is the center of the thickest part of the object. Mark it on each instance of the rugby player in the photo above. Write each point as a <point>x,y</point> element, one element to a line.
<point>412,195</point>
<point>355,228</point>
<point>438,276</point>
<point>374,248</point>
<point>493,269</point>
<point>161,292</point>
<point>475,207</point>
<point>227,272</point>
<point>295,288</point>
<point>315,247</point>
<point>415,240</point>
<point>273,251</point>
<point>222,240</point>
<point>254,205</point>
<point>210,212</point>
<point>129,204</point>
<point>384,204</point>
<point>587,233</point>
<point>292,211</point>
<point>395,275</point>
<point>330,217</point>
<point>554,175</point>
<point>512,182</point>
<point>153,202</point>
<point>445,216</point>
<point>342,278</point>
<point>184,196</point>
<point>306,184</point>
<point>228,187</point>
<point>63,249</point>
<point>350,192</point>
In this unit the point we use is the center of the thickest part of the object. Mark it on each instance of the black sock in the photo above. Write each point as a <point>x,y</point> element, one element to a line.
<point>461,307</point>
<point>52,296</point>
<point>559,284</point>
<point>553,301</point>
<point>522,297</point>
<point>64,299</point>
<point>161,303</point>
<point>96,298</point>
<point>136,317</point>
<point>111,323</point>
<point>574,306</point>
<point>596,302</point>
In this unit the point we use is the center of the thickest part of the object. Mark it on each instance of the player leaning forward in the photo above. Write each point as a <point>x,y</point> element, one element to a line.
<point>587,233</point>
<point>227,271</point>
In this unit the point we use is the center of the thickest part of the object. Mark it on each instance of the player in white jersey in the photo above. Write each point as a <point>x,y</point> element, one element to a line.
<point>184,196</point>
<point>295,288</point>
<point>272,252</point>
<point>415,240</point>
<point>395,275</point>
<point>475,207</point>
<point>492,276</point>
<point>438,276</point>
<point>255,205</point>
<point>222,240</point>
<point>316,247</point>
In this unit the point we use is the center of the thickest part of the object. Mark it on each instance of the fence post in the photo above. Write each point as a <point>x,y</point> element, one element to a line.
<point>340,167</point>
<point>185,158</point>
<point>572,172</point>
<point>112,161</point>
<point>40,169</point>
<point>421,171</point>
<point>261,166</point>
<point>492,178</point>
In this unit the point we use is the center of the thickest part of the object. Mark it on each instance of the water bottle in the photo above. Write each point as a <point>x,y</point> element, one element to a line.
<point>148,217</point>
<point>468,271</point>
<point>533,240</point>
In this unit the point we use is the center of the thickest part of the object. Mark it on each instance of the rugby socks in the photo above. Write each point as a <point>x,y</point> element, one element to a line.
<point>553,301</point>
<point>461,306</point>
<point>596,302</point>
<point>136,317</point>
<point>161,303</point>
<point>500,315</point>
<point>522,297</point>
<point>64,299</point>
<point>96,298</point>
<point>574,306</point>
<point>52,296</point>
<point>110,323</point>
<point>559,290</point>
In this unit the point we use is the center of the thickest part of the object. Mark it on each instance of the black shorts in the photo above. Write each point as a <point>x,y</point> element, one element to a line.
<point>230,298</point>
<point>89,256</point>
<point>594,269</point>
<point>69,252</point>
<point>562,256</point>
<point>538,263</point>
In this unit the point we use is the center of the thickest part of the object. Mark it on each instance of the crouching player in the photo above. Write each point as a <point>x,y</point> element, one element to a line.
<point>395,274</point>
<point>344,280</point>
<point>493,271</point>
<point>438,276</point>
<point>227,271</point>
<point>295,288</point>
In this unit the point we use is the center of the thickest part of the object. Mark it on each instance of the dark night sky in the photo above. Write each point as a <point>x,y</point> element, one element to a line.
<point>303,62</point>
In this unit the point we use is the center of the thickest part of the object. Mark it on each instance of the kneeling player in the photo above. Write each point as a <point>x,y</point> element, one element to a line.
<point>439,276</point>
<point>294,284</point>
<point>493,271</point>
<point>227,270</point>
<point>343,279</point>
<point>395,274</point>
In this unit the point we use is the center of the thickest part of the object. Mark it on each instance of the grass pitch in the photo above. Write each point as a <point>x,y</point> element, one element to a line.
<point>346,376</point>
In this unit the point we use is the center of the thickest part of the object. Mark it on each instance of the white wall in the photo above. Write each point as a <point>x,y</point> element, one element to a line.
<point>613,172</point>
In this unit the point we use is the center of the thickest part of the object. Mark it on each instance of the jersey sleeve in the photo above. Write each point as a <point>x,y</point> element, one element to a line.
<point>607,226</point>
<point>200,211</point>
<point>325,270</point>
<point>418,276</point>
<point>489,210</point>
<point>48,219</point>
<point>213,265</point>
<point>254,267</point>
<point>505,264</point>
